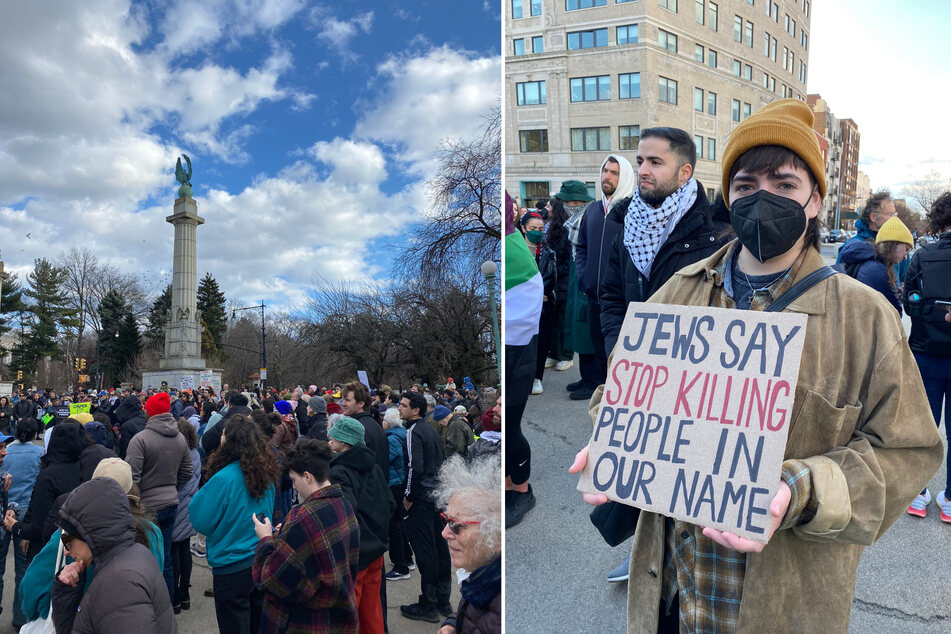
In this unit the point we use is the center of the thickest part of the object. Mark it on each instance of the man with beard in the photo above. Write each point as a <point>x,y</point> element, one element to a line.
<point>597,233</point>
<point>666,225</point>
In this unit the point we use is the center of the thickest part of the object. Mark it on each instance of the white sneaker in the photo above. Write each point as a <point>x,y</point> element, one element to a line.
<point>550,363</point>
<point>537,387</point>
<point>919,506</point>
<point>564,365</point>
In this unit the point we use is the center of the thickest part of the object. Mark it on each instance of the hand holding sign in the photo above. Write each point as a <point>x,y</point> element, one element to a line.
<point>694,418</point>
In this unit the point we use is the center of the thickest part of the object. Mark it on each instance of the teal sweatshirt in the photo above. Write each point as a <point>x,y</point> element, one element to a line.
<point>221,510</point>
<point>37,583</point>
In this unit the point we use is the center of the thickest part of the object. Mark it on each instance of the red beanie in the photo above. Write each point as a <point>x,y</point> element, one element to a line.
<point>334,408</point>
<point>158,404</point>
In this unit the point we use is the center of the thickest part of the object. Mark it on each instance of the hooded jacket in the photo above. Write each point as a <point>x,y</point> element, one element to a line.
<point>859,426</point>
<point>860,260</point>
<point>131,420</point>
<point>396,437</point>
<point>458,437</point>
<point>375,438</point>
<point>365,488</point>
<point>211,439</point>
<point>599,228</point>
<point>128,593</point>
<point>160,462</point>
<point>183,524</point>
<point>317,426</point>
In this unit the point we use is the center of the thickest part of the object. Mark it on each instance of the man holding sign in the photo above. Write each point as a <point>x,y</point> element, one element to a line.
<point>748,538</point>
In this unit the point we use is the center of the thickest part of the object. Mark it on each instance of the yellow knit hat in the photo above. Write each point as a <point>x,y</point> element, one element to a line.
<point>787,122</point>
<point>894,230</point>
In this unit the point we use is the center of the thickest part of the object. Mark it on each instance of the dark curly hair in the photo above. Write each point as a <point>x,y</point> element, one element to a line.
<point>266,422</point>
<point>310,455</point>
<point>559,216</point>
<point>244,443</point>
<point>187,430</point>
<point>939,218</point>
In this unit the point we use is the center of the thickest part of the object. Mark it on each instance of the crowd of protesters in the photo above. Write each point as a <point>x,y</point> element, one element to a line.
<point>294,497</point>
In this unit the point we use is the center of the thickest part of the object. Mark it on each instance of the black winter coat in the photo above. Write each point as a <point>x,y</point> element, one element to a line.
<point>375,439</point>
<point>696,236</point>
<point>25,409</point>
<point>131,420</point>
<point>562,250</point>
<point>595,239</point>
<point>368,492</point>
<point>211,440</point>
<point>929,276</point>
<point>426,456</point>
<point>317,426</point>
<point>548,267</point>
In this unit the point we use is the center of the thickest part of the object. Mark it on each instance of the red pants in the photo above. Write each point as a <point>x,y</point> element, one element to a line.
<point>367,590</point>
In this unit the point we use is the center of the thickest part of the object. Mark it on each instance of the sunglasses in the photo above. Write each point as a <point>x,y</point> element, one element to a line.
<point>455,525</point>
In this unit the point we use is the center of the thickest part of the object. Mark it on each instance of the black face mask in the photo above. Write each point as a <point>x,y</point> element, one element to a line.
<point>766,224</point>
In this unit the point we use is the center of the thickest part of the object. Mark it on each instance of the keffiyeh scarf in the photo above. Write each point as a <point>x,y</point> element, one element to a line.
<point>644,225</point>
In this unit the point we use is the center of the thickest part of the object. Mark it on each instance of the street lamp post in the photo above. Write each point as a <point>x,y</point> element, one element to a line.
<point>263,336</point>
<point>489,270</point>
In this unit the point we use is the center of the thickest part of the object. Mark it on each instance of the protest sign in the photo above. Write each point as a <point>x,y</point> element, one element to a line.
<point>187,382</point>
<point>79,408</point>
<point>695,414</point>
<point>216,384</point>
<point>62,411</point>
<point>205,378</point>
<point>362,376</point>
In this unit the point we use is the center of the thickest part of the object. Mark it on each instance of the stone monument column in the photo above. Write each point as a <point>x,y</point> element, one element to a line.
<point>183,333</point>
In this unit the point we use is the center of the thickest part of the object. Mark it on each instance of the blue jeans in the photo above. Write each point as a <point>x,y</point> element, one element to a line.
<point>936,375</point>
<point>165,519</point>
<point>20,564</point>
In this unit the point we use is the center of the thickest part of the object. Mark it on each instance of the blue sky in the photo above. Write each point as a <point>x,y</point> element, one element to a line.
<point>882,64</point>
<point>311,128</point>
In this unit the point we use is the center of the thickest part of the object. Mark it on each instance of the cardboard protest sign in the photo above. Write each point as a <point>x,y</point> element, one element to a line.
<point>362,377</point>
<point>79,408</point>
<point>695,414</point>
<point>205,378</point>
<point>216,384</point>
<point>187,382</point>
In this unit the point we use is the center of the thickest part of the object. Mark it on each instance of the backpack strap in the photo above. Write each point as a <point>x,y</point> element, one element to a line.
<point>800,287</point>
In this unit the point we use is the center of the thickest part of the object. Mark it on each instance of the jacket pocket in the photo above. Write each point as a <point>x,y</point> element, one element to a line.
<point>818,425</point>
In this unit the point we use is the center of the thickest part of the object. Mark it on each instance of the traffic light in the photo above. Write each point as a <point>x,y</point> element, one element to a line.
<point>82,364</point>
<point>19,375</point>
<point>76,363</point>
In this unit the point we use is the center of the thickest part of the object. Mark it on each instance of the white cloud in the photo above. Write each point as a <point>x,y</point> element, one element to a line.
<point>337,33</point>
<point>441,94</point>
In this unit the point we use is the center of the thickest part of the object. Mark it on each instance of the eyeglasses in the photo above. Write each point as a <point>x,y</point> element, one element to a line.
<point>455,525</point>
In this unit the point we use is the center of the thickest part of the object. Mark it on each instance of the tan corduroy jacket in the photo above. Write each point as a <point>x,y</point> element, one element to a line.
<point>862,424</point>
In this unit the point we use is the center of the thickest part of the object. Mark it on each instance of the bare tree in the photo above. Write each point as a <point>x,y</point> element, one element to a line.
<point>81,268</point>
<point>927,190</point>
<point>463,226</point>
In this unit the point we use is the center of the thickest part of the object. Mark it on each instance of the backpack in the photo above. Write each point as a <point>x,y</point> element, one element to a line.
<point>851,269</point>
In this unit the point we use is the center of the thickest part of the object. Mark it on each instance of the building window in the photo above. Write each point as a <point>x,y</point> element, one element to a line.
<point>712,149</point>
<point>792,61</point>
<point>766,44</point>
<point>667,40</point>
<point>774,12</point>
<point>748,34</point>
<point>536,7</point>
<point>628,136</point>
<point>735,112</point>
<point>571,5</point>
<point>698,53</point>
<point>802,72</point>
<point>532,192</point>
<point>538,44</point>
<point>793,30</point>
<point>533,140</point>
<point>629,85</point>
<point>670,5</point>
<point>772,84</point>
<point>786,26</point>
<point>698,141</point>
<point>711,103</point>
<point>747,72</point>
<point>698,99</point>
<point>737,28</point>
<point>516,9</point>
<point>750,2</point>
<point>765,80</point>
<point>623,1</point>
<point>747,110</point>
<point>804,40</point>
<point>772,49</point>
<point>591,88</point>
<point>627,34</point>
<point>590,139</point>
<point>712,15</point>
<point>530,93</point>
<point>668,90</point>
<point>712,58</point>
<point>699,12</point>
<point>587,39</point>
<point>785,58</point>
<point>518,47</point>
<point>805,7</point>
<point>737,67</point>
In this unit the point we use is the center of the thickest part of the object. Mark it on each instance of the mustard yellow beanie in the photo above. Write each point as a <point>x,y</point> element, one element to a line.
<point>894,230</point>
<point>787,122</point>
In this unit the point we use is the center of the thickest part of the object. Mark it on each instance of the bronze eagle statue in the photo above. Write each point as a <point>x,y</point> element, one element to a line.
<point>183,177</point>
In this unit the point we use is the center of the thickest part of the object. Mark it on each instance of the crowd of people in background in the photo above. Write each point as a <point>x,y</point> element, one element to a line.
<point>294,497</point>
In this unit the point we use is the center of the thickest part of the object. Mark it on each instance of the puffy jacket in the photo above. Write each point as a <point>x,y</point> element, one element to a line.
<point>396,437</point>
<point>128,593</point>
<point>458,437</point>
<point>90,458</point>
<point>696,236</point>
<point>211,439</point>
<point>130,419</point>
<point>860,260</point>
<point>183,525</point>
<point>365,488</point>
<point>929,276</point>
<point>317,426</point>
<point>160,463</point>
<point>595,239</point>
<point>25,408</point>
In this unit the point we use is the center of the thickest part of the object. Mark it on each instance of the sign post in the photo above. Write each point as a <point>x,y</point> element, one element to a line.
<point>695,414</point>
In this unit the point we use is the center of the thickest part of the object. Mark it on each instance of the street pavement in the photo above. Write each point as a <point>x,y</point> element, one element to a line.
<point>556,563</point>
<point>200,619</point>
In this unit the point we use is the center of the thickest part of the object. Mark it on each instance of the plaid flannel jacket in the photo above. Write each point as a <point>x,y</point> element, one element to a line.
<point>308,570</point>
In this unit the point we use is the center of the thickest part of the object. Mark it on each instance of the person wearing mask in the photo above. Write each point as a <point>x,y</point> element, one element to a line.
<point>241,476</point>
<point>561,353</point>
<point>128,593</point>
<point>927,281</point>
<point>532,225</point>
<point>307,570</point>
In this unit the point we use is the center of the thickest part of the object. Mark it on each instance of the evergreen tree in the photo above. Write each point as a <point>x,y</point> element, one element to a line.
<point>211,312</point>
<point>11,301</point>
<point>111,314</point>
<point>50,313</point>
<point>158,317</point>
<point>130,344</point>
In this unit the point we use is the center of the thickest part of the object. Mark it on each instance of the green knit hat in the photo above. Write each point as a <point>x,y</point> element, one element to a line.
<point>347,430</point>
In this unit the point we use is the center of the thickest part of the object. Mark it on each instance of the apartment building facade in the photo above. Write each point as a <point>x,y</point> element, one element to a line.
<point>583,77</point>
